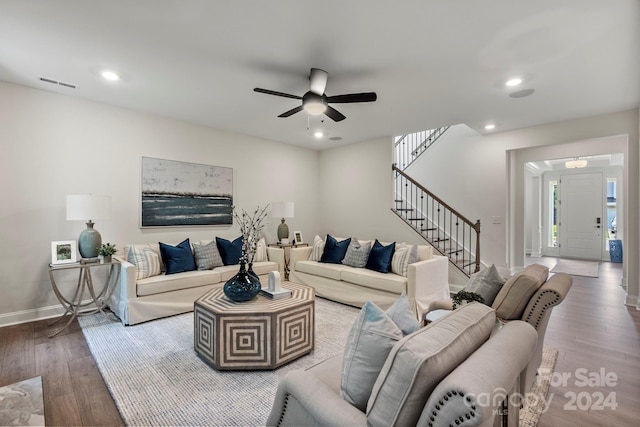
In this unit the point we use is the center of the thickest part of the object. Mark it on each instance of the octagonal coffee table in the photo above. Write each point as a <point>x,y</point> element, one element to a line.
<point>259,334</point>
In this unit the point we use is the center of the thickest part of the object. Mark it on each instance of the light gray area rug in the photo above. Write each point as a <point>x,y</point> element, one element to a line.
<point>21,403</point>
<point>577,267</point>
<point>536,400</point>
<point>156,378</point>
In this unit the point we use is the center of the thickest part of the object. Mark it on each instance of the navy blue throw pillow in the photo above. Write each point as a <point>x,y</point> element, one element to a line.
<point>334,251</point>
<point>178,258</point>
<point>380,257</point>
<point>230,251</point>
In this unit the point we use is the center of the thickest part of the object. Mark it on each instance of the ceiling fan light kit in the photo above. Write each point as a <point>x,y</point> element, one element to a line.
<point>315,102</point>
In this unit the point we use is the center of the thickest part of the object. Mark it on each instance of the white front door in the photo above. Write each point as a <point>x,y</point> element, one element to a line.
<point>581,216</point>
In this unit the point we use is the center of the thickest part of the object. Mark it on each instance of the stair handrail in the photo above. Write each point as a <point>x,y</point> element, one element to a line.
<point>433,136</point>
<point>413,150</point>
<point>474,225</point>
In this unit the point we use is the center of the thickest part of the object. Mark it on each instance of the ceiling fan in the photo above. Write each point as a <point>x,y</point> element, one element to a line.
<point>316,102</point>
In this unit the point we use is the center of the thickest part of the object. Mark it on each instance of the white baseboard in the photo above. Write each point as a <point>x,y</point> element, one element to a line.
<point>31,315</point>
<point>632,301</point>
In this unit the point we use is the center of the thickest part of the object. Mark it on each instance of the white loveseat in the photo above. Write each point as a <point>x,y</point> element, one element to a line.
<point>427,280</point>
<point>140,300</point>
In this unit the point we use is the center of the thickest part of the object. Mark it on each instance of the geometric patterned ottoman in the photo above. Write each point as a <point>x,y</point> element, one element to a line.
<point>257,334</point>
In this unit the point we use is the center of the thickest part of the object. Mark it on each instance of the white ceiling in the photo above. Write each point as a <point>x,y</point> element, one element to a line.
<point>431,62</point>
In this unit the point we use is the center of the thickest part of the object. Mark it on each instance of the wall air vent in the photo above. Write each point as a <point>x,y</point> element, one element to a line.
<point>55,82</point>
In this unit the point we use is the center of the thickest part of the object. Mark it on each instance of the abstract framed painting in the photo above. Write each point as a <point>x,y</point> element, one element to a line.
<point>175,193</point>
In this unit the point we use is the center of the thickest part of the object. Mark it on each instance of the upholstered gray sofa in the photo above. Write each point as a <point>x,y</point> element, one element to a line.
<point>441,375</point>
<point>530,296</point>
<point>137,300</point>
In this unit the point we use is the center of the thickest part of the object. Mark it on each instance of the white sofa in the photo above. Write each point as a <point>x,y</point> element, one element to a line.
<point>140,300</point>
<point>427,280</point>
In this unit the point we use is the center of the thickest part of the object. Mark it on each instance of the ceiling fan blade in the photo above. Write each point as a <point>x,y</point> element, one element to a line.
<point>353,97</point>
<point>318,80</point>
<point>334,114</point>
<point>291,112</point>
<point>273,92</point>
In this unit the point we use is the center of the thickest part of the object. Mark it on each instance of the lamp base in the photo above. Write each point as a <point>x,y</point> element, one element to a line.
<point>89,241</point>
<point>283,231</point>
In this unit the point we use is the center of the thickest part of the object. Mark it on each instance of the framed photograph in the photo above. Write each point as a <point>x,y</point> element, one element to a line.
<point>297,236</point>
<point>64,252</point>
<point>177,193</point>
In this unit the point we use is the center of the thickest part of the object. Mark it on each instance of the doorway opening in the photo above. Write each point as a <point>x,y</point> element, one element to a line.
<point>579,207</point>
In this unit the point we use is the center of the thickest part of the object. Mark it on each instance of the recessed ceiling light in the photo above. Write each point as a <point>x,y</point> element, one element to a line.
<point>110,75</point>
<point>490,126</point>
<point>318,134</point>
<point>513,81</point>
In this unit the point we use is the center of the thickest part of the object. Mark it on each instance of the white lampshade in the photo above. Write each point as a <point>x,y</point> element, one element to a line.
<point>282,210</point>
<point>88,206</point>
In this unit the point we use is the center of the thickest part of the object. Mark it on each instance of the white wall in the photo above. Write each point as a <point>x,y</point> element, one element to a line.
<point>467,172</point>
<point>356,193</point>
<point>474,174</point>
<point>54,145</point>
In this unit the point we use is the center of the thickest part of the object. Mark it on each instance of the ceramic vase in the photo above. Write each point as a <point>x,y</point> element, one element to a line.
<point>244,286</point>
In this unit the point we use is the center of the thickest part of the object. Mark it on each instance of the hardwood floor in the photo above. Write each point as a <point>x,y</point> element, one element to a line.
<point>592,330</point>
<point>73,389</point>
<point>595,333</point>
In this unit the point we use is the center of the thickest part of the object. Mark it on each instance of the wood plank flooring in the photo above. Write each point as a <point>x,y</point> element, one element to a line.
<point>592,330</point>
<point>594,333</point>
<point>73,389</point>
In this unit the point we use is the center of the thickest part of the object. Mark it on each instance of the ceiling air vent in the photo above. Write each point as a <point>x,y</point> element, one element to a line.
<point>55,82</point>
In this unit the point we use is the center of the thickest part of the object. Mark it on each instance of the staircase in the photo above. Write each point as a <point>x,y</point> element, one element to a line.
<point>410,146</point>
<point>449,232</point>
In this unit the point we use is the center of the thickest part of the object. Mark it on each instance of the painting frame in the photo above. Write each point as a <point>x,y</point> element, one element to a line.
<point>175,193</point>
<point>297,238</point>
<point>64,252</point>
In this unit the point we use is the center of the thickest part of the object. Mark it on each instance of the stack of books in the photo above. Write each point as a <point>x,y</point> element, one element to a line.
<point>282,293</point>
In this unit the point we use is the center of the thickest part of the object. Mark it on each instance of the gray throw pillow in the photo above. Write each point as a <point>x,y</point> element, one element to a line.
<point>357,254</point>
<point>418,362</point>
<point>207,256</point>
<point>371,338</point>
<point>486,283</point>
<point>402,315</point>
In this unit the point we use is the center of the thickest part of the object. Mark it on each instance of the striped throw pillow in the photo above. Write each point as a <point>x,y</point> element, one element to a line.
<point>318,249</point>
<point>147,262</point>
<point>402,257</point>
<point>261,251</point>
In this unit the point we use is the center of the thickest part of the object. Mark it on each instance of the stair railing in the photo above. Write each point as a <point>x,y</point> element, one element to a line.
<point>448,231</point>
<point>410,146</point>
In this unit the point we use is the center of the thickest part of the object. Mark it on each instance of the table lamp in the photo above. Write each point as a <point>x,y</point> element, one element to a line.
<point>282,210</point>
<point>86,207</point>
